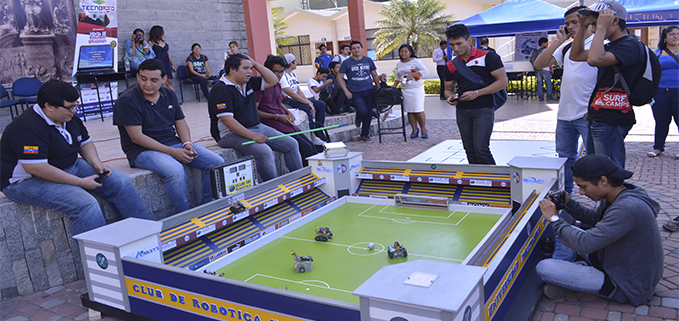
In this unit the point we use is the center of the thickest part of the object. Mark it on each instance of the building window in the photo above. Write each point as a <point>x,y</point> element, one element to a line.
<point>370,39</point>
<point>300,46</point>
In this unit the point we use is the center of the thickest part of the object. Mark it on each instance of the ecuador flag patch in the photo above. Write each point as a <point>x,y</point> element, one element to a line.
<point>30,149</point>
<point>221,106</point>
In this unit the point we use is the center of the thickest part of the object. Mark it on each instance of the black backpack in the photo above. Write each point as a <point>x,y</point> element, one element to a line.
<point>388,96</point>
<point>646,86</point>
<point>331,95</point>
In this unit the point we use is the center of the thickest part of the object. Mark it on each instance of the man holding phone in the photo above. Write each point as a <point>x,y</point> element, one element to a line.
<point>154,134</point>
<point>577,84</point>
<point>475,111</point>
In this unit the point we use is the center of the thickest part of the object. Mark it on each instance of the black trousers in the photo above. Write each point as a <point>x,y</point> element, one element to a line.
<point>440,69</point>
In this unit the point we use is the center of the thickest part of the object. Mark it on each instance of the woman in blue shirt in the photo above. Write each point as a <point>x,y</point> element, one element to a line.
<point>666,104</point>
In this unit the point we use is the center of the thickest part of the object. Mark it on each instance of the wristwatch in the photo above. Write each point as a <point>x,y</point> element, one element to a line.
<point>554,218</point>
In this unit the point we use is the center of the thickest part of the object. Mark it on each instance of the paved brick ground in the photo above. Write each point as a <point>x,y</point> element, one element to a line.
<point>519,120</point>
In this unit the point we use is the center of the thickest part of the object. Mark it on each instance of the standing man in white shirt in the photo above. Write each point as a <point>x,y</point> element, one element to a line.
<point>577,85</point>
<point>440,58</point>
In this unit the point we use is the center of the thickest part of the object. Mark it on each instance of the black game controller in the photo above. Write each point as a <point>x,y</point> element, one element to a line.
<point>101,177</point>
<point>558,198</point>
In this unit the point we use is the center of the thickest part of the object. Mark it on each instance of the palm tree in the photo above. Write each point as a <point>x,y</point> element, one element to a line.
<point>418,23</point>
<point>279,27</point>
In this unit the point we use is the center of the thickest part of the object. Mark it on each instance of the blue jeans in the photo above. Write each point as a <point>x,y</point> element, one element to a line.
<point>567,133</point>
<point>264,160</point>
<point>363,102</point>
<point>576,276</point>
<point>173,173</point>
<point>665,108</point>
<point>75,202</point>
<point>476,126</point>
<point>609,140</point>
<point>318,105</point>
<point>202,81</point>
<point>547,77</point>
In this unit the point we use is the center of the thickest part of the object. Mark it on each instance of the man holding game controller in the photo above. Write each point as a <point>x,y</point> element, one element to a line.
<point>622,252</point>
<point>40,165</point>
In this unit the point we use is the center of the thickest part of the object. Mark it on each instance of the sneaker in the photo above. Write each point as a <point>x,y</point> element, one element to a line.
<point>317,141</point>
<point>672,226</point>
<point>385,114</point>
<point>554,292</point>
<point>366,139</point>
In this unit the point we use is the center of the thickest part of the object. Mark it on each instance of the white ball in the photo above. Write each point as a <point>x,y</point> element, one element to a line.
<point>371,246</point>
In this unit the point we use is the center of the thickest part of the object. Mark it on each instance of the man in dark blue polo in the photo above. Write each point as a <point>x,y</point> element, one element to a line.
<point>40,165</point>
<point>155,136</point>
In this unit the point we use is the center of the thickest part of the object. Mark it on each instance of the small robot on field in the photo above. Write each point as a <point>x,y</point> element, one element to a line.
<point>397,250</point>
<point>302,263</point>
<point>237,207</point>
<point>323,234</point>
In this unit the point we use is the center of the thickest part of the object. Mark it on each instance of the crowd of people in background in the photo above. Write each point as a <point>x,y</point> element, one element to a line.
<point>244,108</point>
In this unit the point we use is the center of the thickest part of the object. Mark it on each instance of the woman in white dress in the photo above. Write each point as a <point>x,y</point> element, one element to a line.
<point>409,72</point>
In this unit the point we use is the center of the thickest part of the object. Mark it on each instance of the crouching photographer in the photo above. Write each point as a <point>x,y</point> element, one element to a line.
<point>623,254</point>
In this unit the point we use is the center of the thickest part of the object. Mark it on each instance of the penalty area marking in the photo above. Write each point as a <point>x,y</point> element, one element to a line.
<point>408,220</point>
<point>306,282</point>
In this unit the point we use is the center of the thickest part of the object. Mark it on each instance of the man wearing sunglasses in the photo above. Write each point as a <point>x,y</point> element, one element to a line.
<point>40,165</point>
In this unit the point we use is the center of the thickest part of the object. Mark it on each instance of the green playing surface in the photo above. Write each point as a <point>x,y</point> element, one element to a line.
<point>342,264</point>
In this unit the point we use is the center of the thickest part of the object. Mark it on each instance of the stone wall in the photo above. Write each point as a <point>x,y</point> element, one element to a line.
<point>37,251</point>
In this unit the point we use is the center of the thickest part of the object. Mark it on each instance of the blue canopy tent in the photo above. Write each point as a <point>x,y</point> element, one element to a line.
<point>515,16</point>
<point>644,13</point>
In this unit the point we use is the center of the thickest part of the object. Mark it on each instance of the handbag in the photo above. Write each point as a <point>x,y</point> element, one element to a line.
<point>499,97</point>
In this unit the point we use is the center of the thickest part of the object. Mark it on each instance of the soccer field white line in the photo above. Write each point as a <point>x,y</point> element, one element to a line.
<point>362,214</point>
<point>347,246</point>
<point>418,215</point>
<point>327,286</point>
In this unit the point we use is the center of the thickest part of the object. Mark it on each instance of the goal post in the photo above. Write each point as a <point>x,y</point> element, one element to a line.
<point>411,199</point>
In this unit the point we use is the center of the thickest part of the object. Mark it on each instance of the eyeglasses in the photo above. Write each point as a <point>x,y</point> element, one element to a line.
<point>674,34</point>
<point>278,72</point>
<point>71,108</point>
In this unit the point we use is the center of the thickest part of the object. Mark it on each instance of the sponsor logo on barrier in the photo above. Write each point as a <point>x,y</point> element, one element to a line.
<point>508,279</point>
<point>319,182</point>
<point>296,192</point>
<point>534,180</point>
<point>399,178</point>
<point>364,175</point>
<point>480,182</point>
<point>341,168</point>
<point>168,245</point>
<point>354,166</point>
<point>197,303</point>
<point>206,230</point>
<point>323,169</point>
<point>143,253</point>
<point>439,180</point>
<point>271,203</point>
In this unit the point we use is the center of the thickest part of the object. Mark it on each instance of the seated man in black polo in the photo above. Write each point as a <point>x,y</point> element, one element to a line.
<point>234,119</point>
<point>154,134</point>
<point>40,165</point>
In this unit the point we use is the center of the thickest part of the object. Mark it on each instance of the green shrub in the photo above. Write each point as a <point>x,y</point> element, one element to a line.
<point>431,86</point>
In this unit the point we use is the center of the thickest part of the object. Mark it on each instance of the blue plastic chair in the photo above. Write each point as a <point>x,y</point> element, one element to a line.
<point>184,79</point>
<point>26,90</point>
<point>9,102</point>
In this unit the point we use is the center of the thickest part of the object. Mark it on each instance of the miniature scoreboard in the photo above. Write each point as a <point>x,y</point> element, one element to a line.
<point>230,178</point>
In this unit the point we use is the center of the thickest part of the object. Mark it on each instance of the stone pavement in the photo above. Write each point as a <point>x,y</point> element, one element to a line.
<point>518,120</point>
